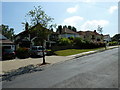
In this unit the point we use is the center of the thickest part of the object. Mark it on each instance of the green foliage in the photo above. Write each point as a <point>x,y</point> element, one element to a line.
<point>39,18</point>
<point>113,43</point>
<point>78,41</point>
<point>69,27</point>
<point>100,29</point>
<point>22,53</point>
<point>7,32</point>
<point>74,29</point>
<point>64,41</point>
<point>73,51</point>
<point>37,15</point>
<point>71,38</point>
<point>59,29</point>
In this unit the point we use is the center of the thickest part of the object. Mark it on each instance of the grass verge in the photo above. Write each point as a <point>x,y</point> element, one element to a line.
<point>68,52</point>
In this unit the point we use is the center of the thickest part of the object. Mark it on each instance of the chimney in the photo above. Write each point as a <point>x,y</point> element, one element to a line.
<point>94,30</point>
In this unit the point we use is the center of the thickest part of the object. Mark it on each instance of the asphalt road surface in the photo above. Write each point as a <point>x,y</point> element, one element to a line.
<point>99,70</point>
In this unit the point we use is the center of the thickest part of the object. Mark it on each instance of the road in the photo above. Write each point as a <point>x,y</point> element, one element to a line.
<point>99,70</point>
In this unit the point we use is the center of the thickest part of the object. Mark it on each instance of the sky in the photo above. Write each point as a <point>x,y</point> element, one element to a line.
<point>82,15</point>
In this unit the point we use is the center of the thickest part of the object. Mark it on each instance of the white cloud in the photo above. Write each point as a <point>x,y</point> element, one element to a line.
<point>112,9</point>
<point>73,9</point>
<point>93,24</point>
<point>73,21</point>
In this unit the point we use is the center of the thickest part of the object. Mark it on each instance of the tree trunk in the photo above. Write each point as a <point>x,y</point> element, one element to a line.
<point>105,46</point>
<point>43,55</point>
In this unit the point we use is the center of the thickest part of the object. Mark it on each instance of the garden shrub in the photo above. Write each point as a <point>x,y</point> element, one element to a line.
<point>113,43</point>
<point>22,53</point>
<point>64,41</point>
<point>78,41</point>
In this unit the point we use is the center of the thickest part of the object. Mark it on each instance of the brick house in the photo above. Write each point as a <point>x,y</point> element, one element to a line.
<point>28,37</point>
<point>92,36</point>
<point>66,33</point>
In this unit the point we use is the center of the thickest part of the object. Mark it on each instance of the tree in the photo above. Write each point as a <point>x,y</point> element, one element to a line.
<point>64,41</point>
<point>99,29</point>
<point>69,27</point>
<point>74,29</point>
<point>38,16</point>
<point>65,26</point>
<point>7,32</point>
<point>26,25</point>
<point>52,26</point>
<point>59,29</point>
<point>78,41</point>
<point>42,20</point>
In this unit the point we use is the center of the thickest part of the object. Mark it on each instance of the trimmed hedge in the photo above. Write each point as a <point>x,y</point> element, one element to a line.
<point>76,43</point>
<point>113,43</point>
<point>22,53</point>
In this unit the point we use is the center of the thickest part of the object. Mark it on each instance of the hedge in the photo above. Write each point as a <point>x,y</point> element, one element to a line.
<point>22,53</point>
<point>113,43</point>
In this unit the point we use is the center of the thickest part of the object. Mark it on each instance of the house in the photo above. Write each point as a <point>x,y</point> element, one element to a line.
<point>29,37</point>
<point>92,36</point>
<point>66,33</point>
<point>6,43</point>
<point>22,39</point>
<point>107,38</point>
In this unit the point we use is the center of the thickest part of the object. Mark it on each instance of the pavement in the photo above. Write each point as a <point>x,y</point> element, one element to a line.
<point>14,64</point>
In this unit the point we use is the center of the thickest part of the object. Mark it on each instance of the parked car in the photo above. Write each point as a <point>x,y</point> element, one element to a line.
<point>37,51</point>
<point>8,54</point>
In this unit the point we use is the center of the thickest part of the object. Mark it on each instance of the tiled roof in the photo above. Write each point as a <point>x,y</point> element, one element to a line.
<point>66,30</point>
<point>88,32</point>
<point>27,31</point>
<point>6,41</point>
<point>81,32</point>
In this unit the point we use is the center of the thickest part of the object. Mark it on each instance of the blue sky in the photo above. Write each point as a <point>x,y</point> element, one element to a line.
<point>83,15</point>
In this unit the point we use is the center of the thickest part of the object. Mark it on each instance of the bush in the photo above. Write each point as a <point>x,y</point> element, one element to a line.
<point>113,43</point>
<point>22,53</point>
<point>64,41</point>
<point>78,41</point>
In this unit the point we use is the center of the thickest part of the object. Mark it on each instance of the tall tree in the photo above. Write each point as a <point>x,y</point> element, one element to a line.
<point>65,26</point>
<point>74,29</point>
<point>100,29</point>
<point>69,27</point>
<point>38,17</point>
<point>26,25</point>
<point>59,29</point>
<point>7,32</point>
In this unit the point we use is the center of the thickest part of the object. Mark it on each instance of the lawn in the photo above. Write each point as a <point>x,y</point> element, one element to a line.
<point>73,51</point>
